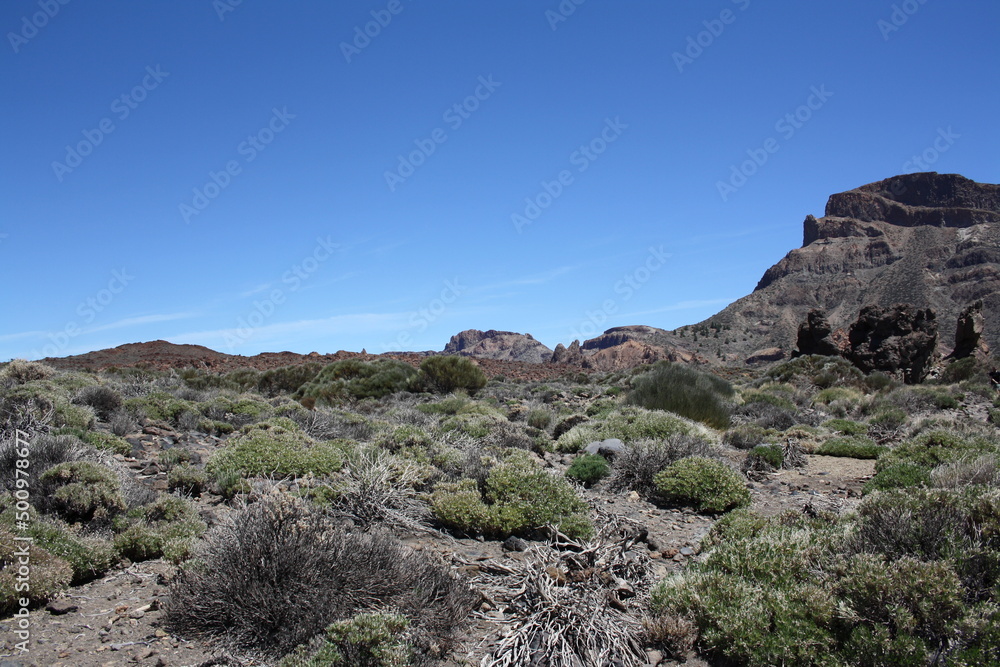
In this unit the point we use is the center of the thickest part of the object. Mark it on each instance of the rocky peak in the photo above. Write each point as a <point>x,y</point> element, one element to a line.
<point>502,345</point>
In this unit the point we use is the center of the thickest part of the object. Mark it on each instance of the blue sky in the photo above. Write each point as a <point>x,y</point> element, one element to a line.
<point>265,176</point>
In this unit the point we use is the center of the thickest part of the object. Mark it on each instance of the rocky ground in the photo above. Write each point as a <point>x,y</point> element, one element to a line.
<point>118,620</point>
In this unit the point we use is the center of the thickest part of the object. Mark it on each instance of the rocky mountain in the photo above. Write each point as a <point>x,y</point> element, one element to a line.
<point>500,345</point>
<point>927,239</point>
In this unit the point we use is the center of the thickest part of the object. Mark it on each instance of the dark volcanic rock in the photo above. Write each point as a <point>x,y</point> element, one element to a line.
<point>568,355</point>
<point>816,336</point>
<point>898,341</point>
<point>969,333</point>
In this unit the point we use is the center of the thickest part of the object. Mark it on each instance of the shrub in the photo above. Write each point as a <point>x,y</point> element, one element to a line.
<point>355,379</point>
<point>846,426</point>
<point>108,442</point>
<point>80,491</point>
<point>628,424</point>
<point>983,470</point>
<point>278,550</point>
<point>167,527</point>
<point>684,391</point>
<point>519,499</point>
<point>187,479</point>
<point>446,406</point>
<point>239,410</point>
<point>276,447</point>
<point>73,416</point>
<point>445,374</point>
<point>367,640</point>
<point>705,484</point>
<point>539,419</point>
<point>49,575</point>
<point>816,370</point>
<point>769,454</point>
<point>637,465</point>
<point>898,476</point>
<point>176,455</point>
<point>21,371</point>
<point>89,556</point>
<point>122,422</point>
<point>287,379</point>
<point>932,448</point>
<point>588,469</point>
<point>746,436</point>
<point>102,398</point>
<point>837,394</point>
<point>45,452</point>
<point>851,447</point>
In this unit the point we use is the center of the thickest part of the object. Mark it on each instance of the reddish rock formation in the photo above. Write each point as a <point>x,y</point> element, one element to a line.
<point>500,345</point>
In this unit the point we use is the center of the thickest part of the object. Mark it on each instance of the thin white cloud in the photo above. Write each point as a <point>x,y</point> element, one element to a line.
<point>255,290</point>
<point>138,321</point>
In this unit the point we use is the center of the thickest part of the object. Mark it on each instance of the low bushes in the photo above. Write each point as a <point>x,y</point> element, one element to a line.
<point>48,575</point>
<point>276,550</point>
<point>276,447</point>
<point>367,640</point>
<point>445,374</point>
<point>353,379</point>
<point>588,469</point>
<point>685,391</point>
<point>519,497</point>
<point>79,491</point>
<point>167,527</point>
<point>636,466</point>
<point>851,447</point>
<point>628,424</point>
<point>707,485</point>
<point>846,426</point>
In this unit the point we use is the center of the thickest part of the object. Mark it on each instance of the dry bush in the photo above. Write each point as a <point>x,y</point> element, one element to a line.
<point>635,467</point>
<point>676,634</point>
<point>102,398</point>
<point>122,422</point>
<point>278,573</point>
<point>328,424</point>
<point>45,451</point>
<point>506,434</point>
<point>20,371</point>
<point>983,470</point>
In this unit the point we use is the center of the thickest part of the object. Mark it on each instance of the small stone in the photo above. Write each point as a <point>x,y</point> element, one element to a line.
<point>653,658</point>
<point>138,613</point>
<point>160,633</point>
<point>633,497</point>
<point>687,551</point>
<point>513,543</point>
<point>60,607</point>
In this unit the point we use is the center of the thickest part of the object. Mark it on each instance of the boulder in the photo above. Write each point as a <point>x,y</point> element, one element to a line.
<point>969,333</point>
<point>816,336</point>
<point>898,341</point>
<point>607,448</point>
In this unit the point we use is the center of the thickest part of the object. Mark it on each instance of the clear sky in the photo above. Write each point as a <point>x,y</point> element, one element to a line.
<point>263,176</point>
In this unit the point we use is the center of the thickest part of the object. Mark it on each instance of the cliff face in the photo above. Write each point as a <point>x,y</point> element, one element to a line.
<point>930,240</point>
<point>501,345</point>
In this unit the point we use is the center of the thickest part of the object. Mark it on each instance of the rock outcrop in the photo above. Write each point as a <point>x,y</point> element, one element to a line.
<point>816,336</point>
<point>899,341</point>
<point>930,240</point>
<point>969,339</point>
<point>500,345</point>
<point>568,355</point>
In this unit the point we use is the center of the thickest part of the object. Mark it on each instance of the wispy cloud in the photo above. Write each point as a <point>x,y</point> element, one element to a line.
<point>255,290</point>
<point>139,321</point>
<point>683,305</point>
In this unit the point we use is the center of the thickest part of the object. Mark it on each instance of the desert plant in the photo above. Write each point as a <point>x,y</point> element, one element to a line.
<point>122,422</point>
<point>540,419</point>
<point>705,484</point>
<point>108,442</point>
<point>982,470</point>
<point>769,454</point>
<point>846,426</point>
<point>48,575</point>
<point>628,424</point>
<point>167,527</point>
<point>367,640</point>
<point>46,451</point>
<point>352,379</point>
<point>685,391</point>
<point>445,374</point>
<point>278,573</point>
<point>276,447</point>
<point>79,491</point>
<point>746,436</point>
<point>851,447</point>
<point>187,479</point>
<point>637,465</point>
<point>102,398</point>
<point>588,469</point>
<point>21,371</point>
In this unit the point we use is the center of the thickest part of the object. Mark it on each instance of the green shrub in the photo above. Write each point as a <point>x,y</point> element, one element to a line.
<point>159,406</point>
<point>74,416</point>
<point>932,448</point>
<point>355,379</point>
<point>846,426</point>
<point>80,491</point>
<point>539,419</point>
<point>367,640</point>
<point>746,436</point>
<point>187,479</point>
<point>447,406</point>
<point>769,454</point>
<point>21,371</point>
<point>519,498</point>
<point>705,484</point>
<point>288,379</point>
<point>898,476</point>
<point>685,391</point>
<point>445,374</point>
<point>48,576</point>
<point>628,424</point>
<point>588,469</point>
<point>276,447</point>
<point>837,394</point>
<point>103,399</point>
<point>108,442</point>
<point>175,456</point>
<point>851,447</point>
<point>817,370</point>
<point>638,464</point>
<point>168,528</point>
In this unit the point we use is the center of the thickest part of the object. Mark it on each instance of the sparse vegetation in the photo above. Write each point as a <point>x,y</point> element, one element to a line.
<point>685,391</point>
<point>705,484</point>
